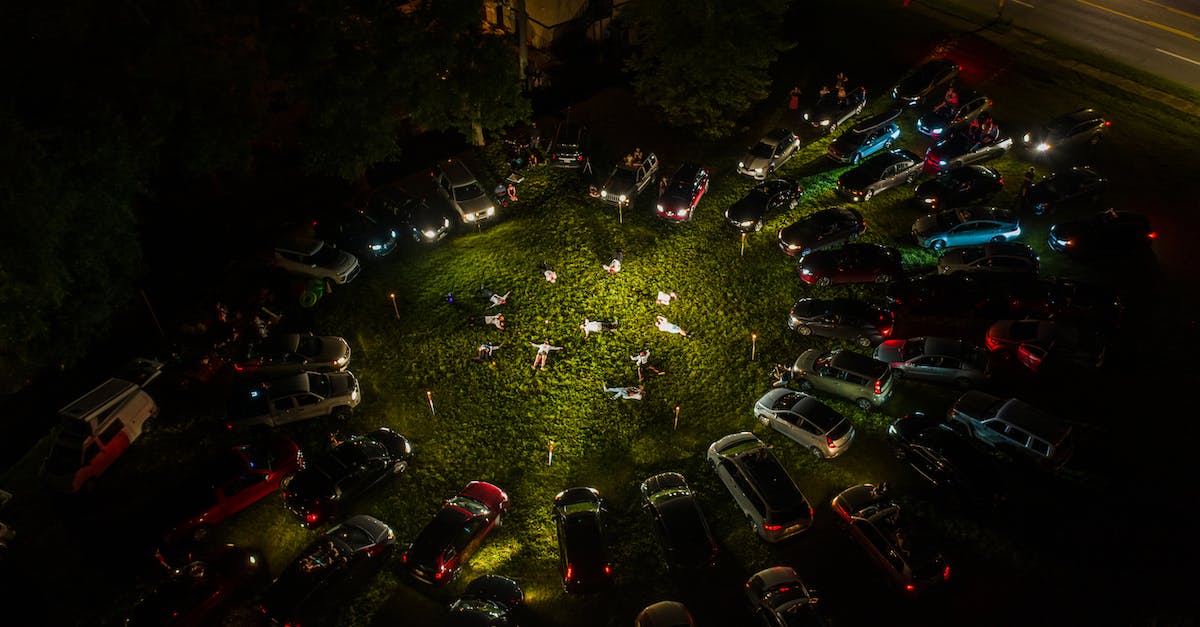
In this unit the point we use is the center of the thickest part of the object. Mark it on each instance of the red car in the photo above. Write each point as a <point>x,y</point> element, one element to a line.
<point>678,200</point>
<point>850,263</point>
<point>449,540</point>
<point>229,483</point>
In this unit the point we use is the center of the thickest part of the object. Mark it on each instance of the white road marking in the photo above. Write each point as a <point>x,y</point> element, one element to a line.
<point>1177,56</point>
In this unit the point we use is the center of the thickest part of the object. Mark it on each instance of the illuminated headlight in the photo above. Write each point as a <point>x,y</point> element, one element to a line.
<point>806,272</point>
<point>895,92</point>
<point>758,170</point>
<point>793,247</point>
<point>1043,147</point>
<point>805,116</point>
<point>941,163</point>
<point>341,361</point>
<point>429,234</point>
<point>470,217</point>
<point>746,223</point>
<point>491,211</point>
<point>660,208</point>
<point>824,122</point>
<point>1025,138</point>
<point>742,164</point>
<point>354,394</point>
<point>377,247</point>
<point>892,429</point>
<point>604,193</point>
<point>935,131</point>
<point>622,198</point>
<point>928,201</point>
<point>446,223</point>
<point>682,213</point>
<point>393,234</point>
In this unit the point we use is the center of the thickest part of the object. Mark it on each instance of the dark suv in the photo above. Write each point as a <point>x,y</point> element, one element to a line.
<point>843,318</point>
<point>569,147</point>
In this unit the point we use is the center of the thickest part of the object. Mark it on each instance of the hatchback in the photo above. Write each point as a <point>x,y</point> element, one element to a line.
<point>761,487</point>
<point>687,186</point>
<point>864,380</point>
<point>769,154</point>
<point>817,427</point>
<point>779,598</point>
<point>679,522</point>
<point>865,138</point>
<point>583,548</point>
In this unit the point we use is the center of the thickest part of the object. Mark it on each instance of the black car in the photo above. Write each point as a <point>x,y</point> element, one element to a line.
<point>771,195</point>
<point>843,318</point>
<point>198,591</point>
<point>488,601</point>
<point>925,80</point>
<point>569,146</point>
<point>828,112</point>
<point>583,552</point>
<point>881,172</point>
<point>1063,188</point>
<point>317,492</point>
<point>850,263</point>
<point>1068,300</point>
<point>1106,233</point>
<point>981,296</point>
<point>357,231</point>
<point>680,524</point>
<point>334,567</point>
<point>408,215</point>
<point>865,138</point>
<point>684,191</point>
<point>967,185</point>
<point>949,459</point>
<point>1082,126</point>
<point>835,225</point>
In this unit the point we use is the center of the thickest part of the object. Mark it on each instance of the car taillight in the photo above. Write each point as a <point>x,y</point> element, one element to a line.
<point>909,587</point>
<point>992,344</point>
<point>829,441</point>
<point>404,558</point>
<point>553,157</point>
<point>946,573</point>
<point>311,518</point>
<point>608,569</point>
<point>1151,235</point>
<point>772,527</point>
<point>1107,124</point>
<point>879,386</point>
<point>238,367</point>
<point>438,575</point>
<point>1001,180</point>
<point>570,572</point>
<point>579,158</point>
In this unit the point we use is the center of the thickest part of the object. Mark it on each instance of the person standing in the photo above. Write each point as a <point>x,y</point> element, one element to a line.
<point>794,99</point>
<point>1026,185</point>
<point>535,136</point>
<point>543,351</point>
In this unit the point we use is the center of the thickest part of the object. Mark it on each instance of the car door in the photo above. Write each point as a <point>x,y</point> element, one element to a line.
<point>308,406</point>
<point>787,423</point>
<point>238,493</point>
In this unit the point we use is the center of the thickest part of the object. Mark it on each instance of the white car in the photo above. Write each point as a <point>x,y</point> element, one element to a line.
<point>316,259</point>
<point>814,425</point>
<point>463,191</point>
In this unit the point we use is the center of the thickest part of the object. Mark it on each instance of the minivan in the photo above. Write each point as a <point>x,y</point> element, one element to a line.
<point>859,378</point>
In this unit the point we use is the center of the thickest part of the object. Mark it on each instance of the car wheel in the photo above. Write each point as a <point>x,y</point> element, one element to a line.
<point>399,467</point>
<point>804,330</point>
<point>1094,139</point>
<point>806,386</point>
<point>864,341</point>
<point>962,383</point>
<point>883,278</point>
<point>824,281</point>
<point>869,195</point>
<point>998,238</point>
<point>938,244</point>
<point>864,404</point>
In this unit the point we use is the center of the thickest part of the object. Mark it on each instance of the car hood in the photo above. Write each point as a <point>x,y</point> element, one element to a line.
<point>619,187</point>
<point>477,204</point>
<point>751,162</point>
<point>845,143</point>
<point>344,262</point>
<point>889,351</point>
<point>749,208</point>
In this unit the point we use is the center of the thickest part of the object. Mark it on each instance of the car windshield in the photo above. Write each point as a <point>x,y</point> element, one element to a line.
<point>318,384</point>
<point>1057,128</point>
<point>913,348</point>
<point>762,150</point>
<point>471,505</point>
<point>467,192</point>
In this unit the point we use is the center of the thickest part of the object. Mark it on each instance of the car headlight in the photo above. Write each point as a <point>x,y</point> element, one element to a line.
<point>806,271</point>
<point>746,223</point>
<point>941,163</point>
<point>742,164</point>
<point>491,211</point>
<point>1025,138</point>
<point>824,122</point>
<point>341,361</point>
<point>354,394</point>
<point>470,217</point>
<point>936,131</point>
<point>805,116</point>
<point>446,223</point>
<point>376,247</point>
<point>758,170</point>
<point>604,193</point>
<point>660,208</point>
<point>793,247</point>
<point>429,234</point>
<point>393,234</point>
<point>622,198</point>
<point>681,213</point>
<point>1043,147</point>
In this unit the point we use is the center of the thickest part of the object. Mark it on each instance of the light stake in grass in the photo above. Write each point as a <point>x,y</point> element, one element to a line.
<point>743,253</point>
<point>676,427</point>
<point>394,307</point>
<point>550,454</point>
<point>753,344</point>
<point>429,395</point>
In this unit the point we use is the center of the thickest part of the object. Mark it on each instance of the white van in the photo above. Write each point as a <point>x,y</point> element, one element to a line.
<point>98,427</point>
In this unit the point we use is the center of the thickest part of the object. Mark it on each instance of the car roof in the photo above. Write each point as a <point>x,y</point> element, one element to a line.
<point>858,363</point>
<point>1034,420</point>
<point>876,121</point>
<point>457,173</point>
<point>776,136</point>
<point>1082,115</point>
<point>299,245</point>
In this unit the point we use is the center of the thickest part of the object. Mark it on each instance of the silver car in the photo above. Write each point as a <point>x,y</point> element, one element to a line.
<point>990,257</point>
<point>936,359</point>
<point>463,191</point>
<point>1014,425</point>
<point>294,398</point>
<point>769,154</point>
<point>760,485</point>
<point>814,425</point>
<point>315,259</point>
<point>966,226</point>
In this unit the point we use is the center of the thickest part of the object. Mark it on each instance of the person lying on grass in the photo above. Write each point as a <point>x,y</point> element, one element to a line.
<point>495,299</point>
<point>596,326</point>
<point>642,359</point>
<point>668,327</point>
<point>543,351</point>
<point>634,393</point>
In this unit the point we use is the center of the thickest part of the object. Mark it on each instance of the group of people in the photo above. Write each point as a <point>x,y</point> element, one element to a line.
<point>634,158</point>
<point>840,85</point>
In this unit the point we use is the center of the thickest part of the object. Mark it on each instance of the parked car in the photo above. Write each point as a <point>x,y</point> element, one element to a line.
<point>357,231</point>
<point>950,460</point>
<point>850,263</point>
<point>1035,343</point>
<point>334,567</point>
<point>843,318</point>
<point>225,484</point>
<point>293,398</point>
<point>966,226</point>
<point>465,194</point>
<point>408,215</point>
<point>817,427</point>
<point>583,546</point>
<point>488,601</point>
<point>683,192</point>
<point>769,196</point>
<point>314,258</point>
<point>281,354</point>
<point>769,154</point>
<point>827,227</point>
<point>627,181</point>
<point>664,614</point>
<point>1062,188</point>
<point>448,541</point>
<point>865,138</point>
<point>873,519</point>
<point>865,381</point>
<point>929,78</point>
<point>880,173</point>
<point>1082,126</point>
<point>959,149</point>
<point>935,295</point>
<point>936,359</point>
<point>829,113</point>
<point>990,257</point>
<point>569,148</point>
<point>322,489</point>
<point>945,118</point>
<point>958,187</point>
<point>779,598</point>
<point>197,592</point>
<point>1013,425</point>
<point>1105,233</point>
<point>761,487</point>
<point>1066,300</point>
<point>679,523</point>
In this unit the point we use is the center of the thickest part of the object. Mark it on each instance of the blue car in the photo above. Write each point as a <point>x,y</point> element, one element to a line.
<point>966,226</point>
<point>865,138</point>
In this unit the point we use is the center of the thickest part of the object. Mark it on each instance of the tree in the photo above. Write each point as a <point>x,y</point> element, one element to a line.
<point>703,67</point>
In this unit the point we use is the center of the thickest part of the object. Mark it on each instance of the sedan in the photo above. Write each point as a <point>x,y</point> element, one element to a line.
<point>936,359</point>
<point>1035,343</point>
<point>881,172</point>
<point>842,318</point>
<point>945,117</point>
<point>318,492</point>
<point>358,231</point>
<point>769,196</point>
<point>991,257</point>
<point>197,593</point>
<point>817,427</point>
<point>828,113</point>
<point>966,226</point>
<point>455,533</point>
<point>769,154</point>
<point>865,138</point>
<point>678,201</point>
<point>679,522</point>
<point>1106,233</point>
<point>873,520</point>
<point>282,354</point>
<point>1063,188</point>
<point>488,601</point>
<point>960,149</point>
<point>229,483</point>
<point>328,570</point>
<point>779,598</point>
<point>950,459</point>
<point>408,214</point>
<point>583,552</point>
<point>960,186</point>
<point>1067,300</point>
<point>1082,126</point>
<point>850,263</point>
<point>827,227</point>
<point>928,78</point>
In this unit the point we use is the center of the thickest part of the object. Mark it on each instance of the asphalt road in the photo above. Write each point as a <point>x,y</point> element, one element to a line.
<point>1158,36</point>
